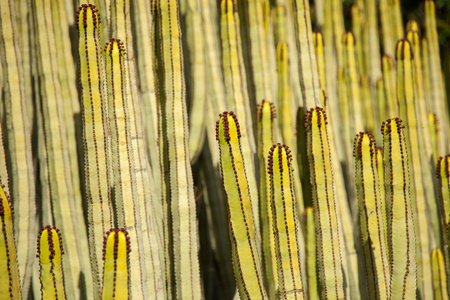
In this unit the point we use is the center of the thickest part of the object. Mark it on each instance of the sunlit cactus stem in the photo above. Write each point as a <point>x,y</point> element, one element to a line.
<point>95,134</point>
<point>116,267</point>
<point>439,276</point>
<point>265,119</point>
<point>401,236</point>
<point>422,200</point>
<point>443,174</point>
<point>49,252</point>
<point>371,217</point>
<point>286,226</point>
<point>310,253</point>
<point>246,261</point>
<point>9,273</point>
<point>329,257</point>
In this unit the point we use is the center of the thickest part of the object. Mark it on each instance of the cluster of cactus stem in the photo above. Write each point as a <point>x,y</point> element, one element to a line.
<point>327,174</point>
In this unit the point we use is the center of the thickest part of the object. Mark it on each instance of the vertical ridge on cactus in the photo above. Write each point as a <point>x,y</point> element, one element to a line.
<point>329,257</point>
<point>401,236</point>
<point>49,252</point>
<point>95,134</point>
<point>116,251</point>
<point>9,272</point>
<point>246,261</point>
<point>390,91</point>
<point>371,216</point>
<point>285,223</point>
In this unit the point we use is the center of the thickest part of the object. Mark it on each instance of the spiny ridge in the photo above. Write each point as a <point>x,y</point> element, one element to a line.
<point>321,117</point>
<point>443,165</point>
<point>51,249</point>
<point>82,13</point>
<point>260,109</point>
<point>112,44</point>
<point>357,150</point>
<point>116,232</point>
<point>226,125</point>
<point>404,50</point>
<point>280,148</point>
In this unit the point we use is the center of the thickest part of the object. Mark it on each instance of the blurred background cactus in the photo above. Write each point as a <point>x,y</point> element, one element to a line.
<point>201,149</point>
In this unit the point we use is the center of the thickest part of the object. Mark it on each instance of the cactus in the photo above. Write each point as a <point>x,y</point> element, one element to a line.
<point>116,250</point>
<point>9,273</point>
<point>154,164</point>
<point>246,261</point>
<point>439,276</point>
<point>371,213</point>
<point>50,251</point>
<point>329,257</point>
<point>285,224</point>
<point>95,139</point>
<point>401,234</point>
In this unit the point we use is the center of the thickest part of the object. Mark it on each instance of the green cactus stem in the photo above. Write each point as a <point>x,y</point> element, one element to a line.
<point>387,33</point>
<point>390,91</point>
<point>130,213</point>
<point>439,276</point>
<point>433,125</point>
<point>443,174</point>
<point>371,216</point>
<point>95,131</point>
<point>310,253</point>
<point>319,50</point>
<point>352,80</point>
<point>116,277</point>
<point>49,252</point>
<point>17,131</point>
<point>329,257</point>
<point>9,273</point>
<point>382,194</point>
<point>246,261</point>
<point>265,119</point>
<point>424,211</point>
<point>440,106</point>
<point>286,226</point>
<point>236,91</point>
<point>308,73</point>
<point>401,236</point>
<point>180,202</point>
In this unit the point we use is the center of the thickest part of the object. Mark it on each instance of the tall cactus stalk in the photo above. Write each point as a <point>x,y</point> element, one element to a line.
<point>285,223</point>
<point>9,273</point>
<point>95,135</point>
<point>308,73</point>
<point>401,236</point>
<point>236,91</point>
<point>371,217</point>
<point>180,190</point>
<point>443,174</point>
<point>266,136</point>
<point>329,257</point>
<point>414,142</point>
<point>246,261</point>
<point>18,141</point>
